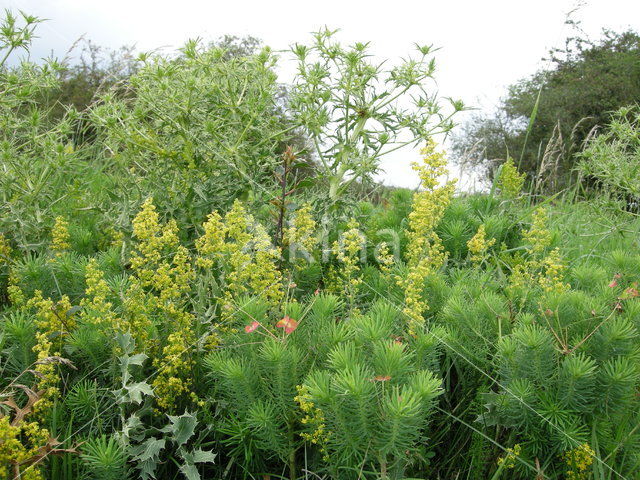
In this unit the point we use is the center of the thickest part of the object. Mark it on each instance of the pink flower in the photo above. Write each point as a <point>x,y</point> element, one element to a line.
<point>250,328</point>
<point>288,323</point>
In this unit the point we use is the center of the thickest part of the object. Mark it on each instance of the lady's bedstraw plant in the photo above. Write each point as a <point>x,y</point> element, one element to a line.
<point>240,248</point>
<point>60,236</point>
<point>541,267</point>
<point>479,246</point>
<point>509,180</point>
<point>162,280</point>
<point>301,237</point>
<point>356,111</point>
<point>425,253</point>
<point>348,252</point>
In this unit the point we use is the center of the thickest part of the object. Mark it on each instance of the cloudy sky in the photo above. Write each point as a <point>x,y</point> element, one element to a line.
<point>484,45</point>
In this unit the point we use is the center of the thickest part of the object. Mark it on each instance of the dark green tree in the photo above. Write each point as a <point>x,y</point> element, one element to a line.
<point>545,118</point>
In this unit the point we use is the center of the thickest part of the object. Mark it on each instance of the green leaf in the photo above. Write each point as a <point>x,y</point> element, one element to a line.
<point>181,427</point>
<point>135,392</point>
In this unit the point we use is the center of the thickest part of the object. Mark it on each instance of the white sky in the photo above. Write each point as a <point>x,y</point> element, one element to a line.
<point>485,45</point>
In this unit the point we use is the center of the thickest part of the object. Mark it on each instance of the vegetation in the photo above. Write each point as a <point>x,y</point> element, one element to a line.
<point>185,294</point>
<point>544,120</point>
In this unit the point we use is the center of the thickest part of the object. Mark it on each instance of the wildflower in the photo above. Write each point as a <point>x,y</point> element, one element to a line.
<point>509,460</point>
<point>384,257</point>
<point>300,235</point>
<point>251,327</point>
<point>21,443</point>
<point>5,250</point>
<point>96,309</point>
<point>545,270</point>
<point>242,248</point>
<point>425,253</point>
<point>347,251</point>
<point>288,323</point>
<point>479,245</point>
<point>159,289</point>
<point>578,462</point>
<point>314,418</point>
<point>60,236</point>
<point>510,181</point>
<point>538,236</point>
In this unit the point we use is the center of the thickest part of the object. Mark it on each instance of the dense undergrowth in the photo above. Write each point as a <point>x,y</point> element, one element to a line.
<point>181,297</point>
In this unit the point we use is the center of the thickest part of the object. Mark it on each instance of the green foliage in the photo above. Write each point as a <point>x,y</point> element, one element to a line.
<point>352,108</point>
<point>585,82</point>
<point>144,354</point>
<point>611,159</point>
<point>105,458</point>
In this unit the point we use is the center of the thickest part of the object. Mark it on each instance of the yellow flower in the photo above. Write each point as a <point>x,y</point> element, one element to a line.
<point>5,250</point>
<point>60,236</point>
<point>241,247</point>
<point>425,253</point>
<point>18,445</point>
<point>579,460</point>
<point>300,234</point>
<point>348,251</point>
<point>313,417</point>
<point>540,268</point>
<point>479,246</point>
<point>159,288</point>
<point>509,180</point>
<point>509,460</point>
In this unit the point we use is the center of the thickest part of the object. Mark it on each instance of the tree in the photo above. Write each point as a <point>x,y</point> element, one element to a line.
<point>545,119</point>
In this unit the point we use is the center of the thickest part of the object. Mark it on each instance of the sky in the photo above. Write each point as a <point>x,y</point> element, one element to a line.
<point>484,45</point>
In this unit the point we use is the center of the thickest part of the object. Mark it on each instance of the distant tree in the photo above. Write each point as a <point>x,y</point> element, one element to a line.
<point>97,68</point>
<point>586,82</point>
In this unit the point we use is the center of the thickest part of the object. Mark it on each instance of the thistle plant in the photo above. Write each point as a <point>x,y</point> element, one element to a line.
<point>356,111</point>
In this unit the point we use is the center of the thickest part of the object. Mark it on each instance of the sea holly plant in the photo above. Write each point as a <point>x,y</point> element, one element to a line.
<point>148,447</point>
<point>355,111</point>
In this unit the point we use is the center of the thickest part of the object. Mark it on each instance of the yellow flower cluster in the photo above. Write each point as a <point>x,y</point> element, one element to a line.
<point>159,287</point>
<point>552,267</point>
<point>173,380</point>
<point>52,317</point>
<point>18,445</point>
<point>96,309</point>
<point>60,236</point>
<point>242,248</point>
<point>479,245</point>
<point>510,181</point>
<point>540,269</point>
<point>538,237</point>
<point>14,292</point>
<point>160,262</point>
<point>509,460</point>
<point>425,253</point>
<point>211,245</point>
<point>301,233</point>
<point>313,417</point>
<point>384,257</point>
<point>53,321</point>
<point>579,460</point>
<point>348,251</point>
<point>46,375</point>
<point>5,250</point>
